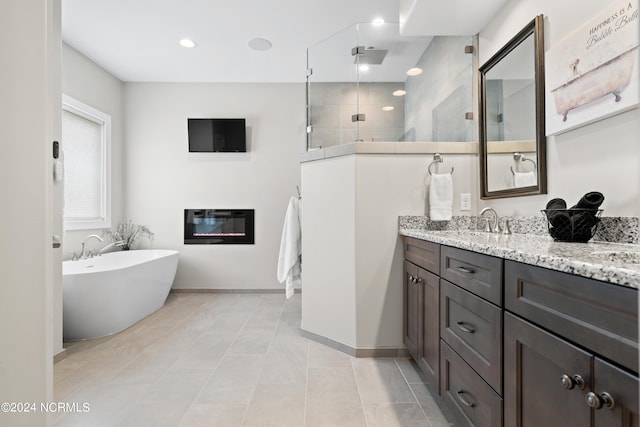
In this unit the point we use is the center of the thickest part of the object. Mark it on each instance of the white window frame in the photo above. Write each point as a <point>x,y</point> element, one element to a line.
<point>88,112</point>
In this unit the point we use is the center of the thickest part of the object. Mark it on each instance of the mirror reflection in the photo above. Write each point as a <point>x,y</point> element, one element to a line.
<point>512,122</point>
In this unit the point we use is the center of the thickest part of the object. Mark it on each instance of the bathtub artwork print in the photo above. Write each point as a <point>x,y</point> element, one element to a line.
<point>593,73</point>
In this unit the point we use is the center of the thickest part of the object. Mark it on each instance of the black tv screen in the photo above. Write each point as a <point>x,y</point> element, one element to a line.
<point>217,135</point>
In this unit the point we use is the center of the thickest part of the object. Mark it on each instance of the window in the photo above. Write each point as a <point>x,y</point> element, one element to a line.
<point>86,144</point>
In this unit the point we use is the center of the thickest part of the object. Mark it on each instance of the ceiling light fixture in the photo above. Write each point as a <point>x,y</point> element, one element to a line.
<point>187,43</point>
<point>364,68</point>
<point>259,44</point>
<point>399,92</point>
<point>387,108</point>
<point>414,72</point>
<point>378,21</point>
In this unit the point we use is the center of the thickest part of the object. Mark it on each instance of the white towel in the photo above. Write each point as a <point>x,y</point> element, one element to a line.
<point>289,259</point>
<point>524,179</point>
<point>441,197</point>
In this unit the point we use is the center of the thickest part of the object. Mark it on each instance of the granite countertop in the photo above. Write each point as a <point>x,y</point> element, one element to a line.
<point>617,263</point>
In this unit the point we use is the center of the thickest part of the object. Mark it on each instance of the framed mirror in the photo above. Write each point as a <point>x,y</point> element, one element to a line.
<point>512,141</point>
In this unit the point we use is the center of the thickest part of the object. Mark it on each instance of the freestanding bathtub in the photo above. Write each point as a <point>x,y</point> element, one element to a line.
<point>107,294</point>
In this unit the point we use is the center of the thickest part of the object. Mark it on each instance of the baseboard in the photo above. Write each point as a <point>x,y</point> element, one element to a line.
<point>229,291</point>
<point>356,352</point>
<point>62,354</point>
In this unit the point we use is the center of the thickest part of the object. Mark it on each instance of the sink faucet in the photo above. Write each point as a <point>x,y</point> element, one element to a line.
<point>83,255</point>
<point>492,227</point>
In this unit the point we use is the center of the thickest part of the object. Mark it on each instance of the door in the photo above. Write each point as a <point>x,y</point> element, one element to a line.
<point>411,310</point>
<point>545,378</point>
<point>429,354</point>
<point>622,387</point>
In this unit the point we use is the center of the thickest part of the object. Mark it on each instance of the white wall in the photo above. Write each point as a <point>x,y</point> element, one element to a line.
<point>163,178</point>
<point>329,249</point>
<point>602,156</point>
<point>84,80</point>
<point>29,83</point>
<point>352,258</point>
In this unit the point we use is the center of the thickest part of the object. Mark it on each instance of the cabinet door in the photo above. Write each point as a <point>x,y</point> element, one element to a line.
<point>535,363</point>
<point>412,309</point>
<point>429,354</point>
<point>623,388</point>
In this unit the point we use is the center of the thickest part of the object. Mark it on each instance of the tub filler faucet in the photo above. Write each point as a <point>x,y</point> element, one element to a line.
<point>83,255</point>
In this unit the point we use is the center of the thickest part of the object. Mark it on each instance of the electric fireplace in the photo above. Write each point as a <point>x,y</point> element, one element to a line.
<point>218,226</point>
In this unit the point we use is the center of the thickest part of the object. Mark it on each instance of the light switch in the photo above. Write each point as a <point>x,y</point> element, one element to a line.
<point>465,201</point>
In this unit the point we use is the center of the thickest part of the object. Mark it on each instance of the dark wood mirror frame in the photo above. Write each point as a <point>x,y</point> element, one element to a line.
<point>535,27</point>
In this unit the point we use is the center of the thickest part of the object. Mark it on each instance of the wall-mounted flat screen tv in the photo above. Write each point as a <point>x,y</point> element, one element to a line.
<point>217,135</point>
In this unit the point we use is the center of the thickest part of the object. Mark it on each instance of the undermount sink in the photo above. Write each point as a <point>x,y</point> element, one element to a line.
<point>624,257</point>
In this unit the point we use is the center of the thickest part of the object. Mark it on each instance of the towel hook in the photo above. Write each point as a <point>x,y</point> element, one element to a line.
<point>520,157</point>
<point>437,158</point>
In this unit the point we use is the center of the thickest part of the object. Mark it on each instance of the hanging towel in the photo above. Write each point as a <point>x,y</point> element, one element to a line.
<point>289,260</point>
<point>441,197</point>
<point>524,179</point>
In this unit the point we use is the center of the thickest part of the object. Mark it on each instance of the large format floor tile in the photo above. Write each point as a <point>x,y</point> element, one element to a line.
<point>235,360</point>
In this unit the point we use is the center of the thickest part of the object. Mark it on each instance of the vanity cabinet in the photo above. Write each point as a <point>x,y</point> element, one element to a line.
<point>516,345</point>
<point>421,300</point>
<point>570,350</point>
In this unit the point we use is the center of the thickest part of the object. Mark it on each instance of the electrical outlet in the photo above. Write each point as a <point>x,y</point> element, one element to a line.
<point>465,201</point>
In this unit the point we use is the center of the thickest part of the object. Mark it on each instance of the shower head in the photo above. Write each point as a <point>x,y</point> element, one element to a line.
<point>369,56</point>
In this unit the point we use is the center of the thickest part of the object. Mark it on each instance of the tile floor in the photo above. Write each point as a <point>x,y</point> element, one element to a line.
<point>235,360</point>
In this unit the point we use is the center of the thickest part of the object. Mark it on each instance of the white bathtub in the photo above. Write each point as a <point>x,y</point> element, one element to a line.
<point>107,294</point>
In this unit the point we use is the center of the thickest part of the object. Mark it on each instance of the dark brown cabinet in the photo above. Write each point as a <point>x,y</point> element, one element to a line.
<point>550,383</point>
<point>555,343</point>
<point>514,345</point>
<point>421,296</point>
<point>535,364</point>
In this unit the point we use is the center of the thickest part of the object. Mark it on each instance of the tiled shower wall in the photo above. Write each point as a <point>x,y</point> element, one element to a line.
<point>333,104</point>
<point>437,100</point>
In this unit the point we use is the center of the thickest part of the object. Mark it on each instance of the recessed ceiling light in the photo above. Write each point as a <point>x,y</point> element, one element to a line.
<point>399,92</point>
<point>387,108</point>
<point>259,44</point>
<point>364,68</point>
<point>187,43</point>
<point>414,72</point>
<point>378,21</point>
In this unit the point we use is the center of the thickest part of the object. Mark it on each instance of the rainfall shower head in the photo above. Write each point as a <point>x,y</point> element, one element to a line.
<point>368,55</point>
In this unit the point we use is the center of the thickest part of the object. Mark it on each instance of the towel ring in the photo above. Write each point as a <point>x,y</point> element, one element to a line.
<point>437,158</point>
<point>520,157</point>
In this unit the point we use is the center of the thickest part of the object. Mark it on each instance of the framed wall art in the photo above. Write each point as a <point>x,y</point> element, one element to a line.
<point>593,73</point>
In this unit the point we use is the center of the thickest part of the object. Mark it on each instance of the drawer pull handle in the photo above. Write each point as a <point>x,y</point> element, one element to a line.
<point>464,328</point>
<point>465,270</point>
<point>596,402</point>
<point>465,402</point>
<point>570,382</point>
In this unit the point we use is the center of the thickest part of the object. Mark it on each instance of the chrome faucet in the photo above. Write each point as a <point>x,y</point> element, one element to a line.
<point>83,255</point>
<point>492,227</point>
<point>117,243</point>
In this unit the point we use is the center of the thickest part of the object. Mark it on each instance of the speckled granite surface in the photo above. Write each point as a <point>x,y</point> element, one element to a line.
<point>617,263</point>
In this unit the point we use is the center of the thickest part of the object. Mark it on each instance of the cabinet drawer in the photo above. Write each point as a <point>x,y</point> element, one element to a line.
<point>477,273</point>
<point>473,328</point>
<point>597,315</point>
<point>471,400</point>
<point>422,253</point>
